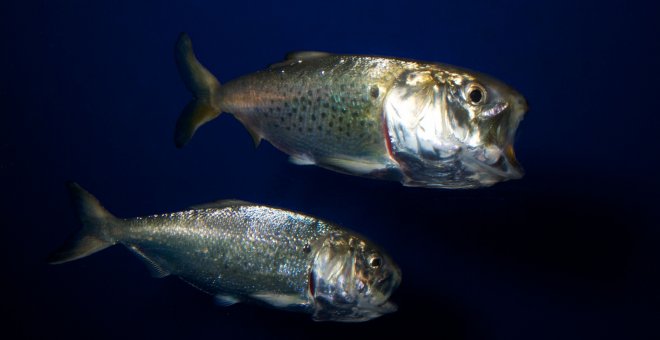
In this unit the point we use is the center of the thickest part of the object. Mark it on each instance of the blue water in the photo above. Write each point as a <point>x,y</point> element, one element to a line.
<point>89,92</point>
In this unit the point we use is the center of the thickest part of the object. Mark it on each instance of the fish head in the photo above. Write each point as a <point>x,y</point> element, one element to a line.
<point>352,280</point>
<point>453,128</point>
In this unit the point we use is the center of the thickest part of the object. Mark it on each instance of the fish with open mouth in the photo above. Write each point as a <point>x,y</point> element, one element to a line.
<point>244,252</point>
<point>423,124</point>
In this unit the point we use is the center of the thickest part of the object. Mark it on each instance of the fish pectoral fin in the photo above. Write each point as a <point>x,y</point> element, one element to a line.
<point>154,268</point>
<point>226,300</point>
<point>222,204</point>
<point>352,165</point>
<point>301,160</point>
<point>279,300</point>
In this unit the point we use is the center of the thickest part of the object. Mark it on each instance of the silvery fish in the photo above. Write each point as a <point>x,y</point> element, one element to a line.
<point>423,124</point>
<point>244,252</point>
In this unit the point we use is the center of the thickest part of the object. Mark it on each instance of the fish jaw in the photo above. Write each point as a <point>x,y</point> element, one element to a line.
<point>343,290</point>
<point>438,143</point>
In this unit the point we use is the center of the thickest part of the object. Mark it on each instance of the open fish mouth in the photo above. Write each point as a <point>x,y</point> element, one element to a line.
<point>327,310</point>
<point>499,162</point>
<point>507,166</point>
<point>499,159</point>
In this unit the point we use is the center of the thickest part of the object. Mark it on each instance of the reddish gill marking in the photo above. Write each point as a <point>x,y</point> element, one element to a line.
<point>386,134</point>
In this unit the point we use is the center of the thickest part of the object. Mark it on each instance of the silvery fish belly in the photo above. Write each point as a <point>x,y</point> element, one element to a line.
<point>424,124</point>
<point>243,252</point>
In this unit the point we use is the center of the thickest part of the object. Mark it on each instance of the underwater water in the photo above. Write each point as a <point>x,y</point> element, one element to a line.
<point>89,92</point>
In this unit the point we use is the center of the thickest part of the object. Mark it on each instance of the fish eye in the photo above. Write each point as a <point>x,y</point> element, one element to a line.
<point>476,94</point>
<point>375,262</point>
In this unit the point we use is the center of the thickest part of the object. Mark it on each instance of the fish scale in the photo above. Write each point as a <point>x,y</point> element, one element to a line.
<point>244,252</point>
<point>423,124</point>
<point>320,108</point>
<point>230,249</point>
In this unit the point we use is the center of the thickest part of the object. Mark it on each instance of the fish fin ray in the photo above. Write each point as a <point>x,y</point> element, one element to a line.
<point>92,237</point>
<point>256,137</point>
<point>279,300</point>
<point>301,160</point>
<point>203,85</point>
<point>156,270</point>
<point>293,57</point>
<point>306,55</point>
<point>353,166</point>
<point>223,204</point>
<point>225,300</point>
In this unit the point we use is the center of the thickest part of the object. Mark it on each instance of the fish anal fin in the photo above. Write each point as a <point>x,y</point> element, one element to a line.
<point>256,137</point>
<point>154,268</point>
<point>222,204</point>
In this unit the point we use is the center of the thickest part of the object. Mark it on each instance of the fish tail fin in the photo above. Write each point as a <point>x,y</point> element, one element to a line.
<point>93,236</point>
<point>205,104</point>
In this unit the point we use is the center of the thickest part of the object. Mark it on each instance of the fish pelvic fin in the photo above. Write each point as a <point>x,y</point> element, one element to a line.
<point>205,104</point>
<point>93,236</point>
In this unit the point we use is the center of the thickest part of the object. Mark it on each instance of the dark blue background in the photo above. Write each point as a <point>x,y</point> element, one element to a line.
<point>89,92</point>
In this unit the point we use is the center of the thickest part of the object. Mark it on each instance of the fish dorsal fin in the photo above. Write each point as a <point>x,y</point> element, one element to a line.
<point>305,55</point>
<point>292,58</point>
<point>222,204</point>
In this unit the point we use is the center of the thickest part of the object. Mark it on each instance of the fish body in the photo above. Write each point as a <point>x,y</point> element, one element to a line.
<point>243,252</point>
<point>424,124</point>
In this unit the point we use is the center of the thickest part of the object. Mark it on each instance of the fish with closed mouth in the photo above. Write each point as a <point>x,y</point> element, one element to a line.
<point>423,124</point>
<point>244,252</point>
